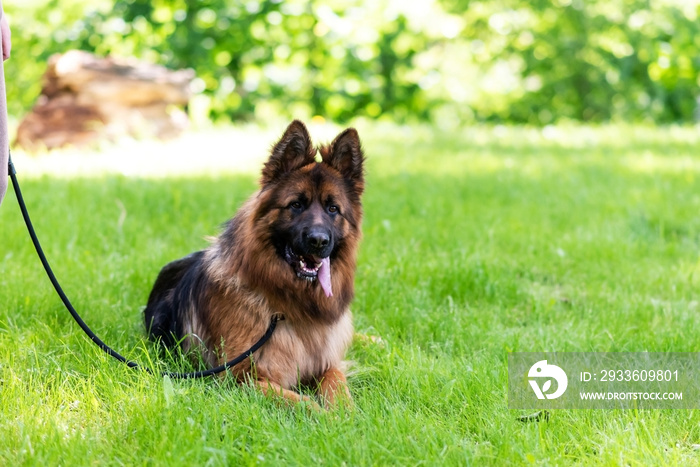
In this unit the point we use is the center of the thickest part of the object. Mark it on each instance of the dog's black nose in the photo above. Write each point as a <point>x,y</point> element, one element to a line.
<point>318,238</point>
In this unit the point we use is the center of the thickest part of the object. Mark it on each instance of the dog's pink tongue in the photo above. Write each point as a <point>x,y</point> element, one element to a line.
<point>324,276</point>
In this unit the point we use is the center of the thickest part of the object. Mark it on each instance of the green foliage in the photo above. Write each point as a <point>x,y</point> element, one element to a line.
<point>450,62</point>
<point>270,57</point>
<point>40,28</point>
<point>583,60</point>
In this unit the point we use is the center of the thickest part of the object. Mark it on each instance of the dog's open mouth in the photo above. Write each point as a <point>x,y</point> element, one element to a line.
<point>311,267</point>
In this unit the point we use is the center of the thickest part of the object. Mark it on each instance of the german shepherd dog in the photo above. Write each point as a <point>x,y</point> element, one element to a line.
<point>291,251</point>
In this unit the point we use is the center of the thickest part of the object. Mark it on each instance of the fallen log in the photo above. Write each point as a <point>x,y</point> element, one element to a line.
<point>86,99</point>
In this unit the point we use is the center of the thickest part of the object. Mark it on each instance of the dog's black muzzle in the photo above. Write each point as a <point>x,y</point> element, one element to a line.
<point>316,241</point>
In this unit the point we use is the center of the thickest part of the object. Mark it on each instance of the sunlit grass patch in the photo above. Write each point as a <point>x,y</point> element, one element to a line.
<point>491,240</point>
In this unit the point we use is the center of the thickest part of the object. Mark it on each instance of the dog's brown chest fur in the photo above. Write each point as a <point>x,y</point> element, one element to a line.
<point>296,355</point>
<point>299,351</point>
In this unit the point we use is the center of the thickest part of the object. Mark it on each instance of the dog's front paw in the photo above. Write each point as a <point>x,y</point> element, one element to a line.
<point>272,389</point>
<point>333,390</point>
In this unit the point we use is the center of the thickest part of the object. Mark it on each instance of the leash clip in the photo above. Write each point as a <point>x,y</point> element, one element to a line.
<point>10,166</point>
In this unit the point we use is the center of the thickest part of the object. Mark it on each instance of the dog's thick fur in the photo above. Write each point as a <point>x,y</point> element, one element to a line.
<point>222,299</point>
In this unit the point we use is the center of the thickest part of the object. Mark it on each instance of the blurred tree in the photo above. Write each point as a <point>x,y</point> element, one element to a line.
<point>589,60</point>
<point>269,57</point>
<point>40,28</point>
<point>448,61</point>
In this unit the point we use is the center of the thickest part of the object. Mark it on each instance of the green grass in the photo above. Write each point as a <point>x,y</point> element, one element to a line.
<point>475,244</point>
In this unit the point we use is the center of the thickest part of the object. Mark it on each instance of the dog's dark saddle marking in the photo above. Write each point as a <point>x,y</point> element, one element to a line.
<point>176,283</point>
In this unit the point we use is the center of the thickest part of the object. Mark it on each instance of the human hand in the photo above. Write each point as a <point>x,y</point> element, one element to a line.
<point>6,37</point>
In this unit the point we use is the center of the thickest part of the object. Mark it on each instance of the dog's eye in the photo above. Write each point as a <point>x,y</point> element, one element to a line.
<point>333,209</point>
<point>295,205</point>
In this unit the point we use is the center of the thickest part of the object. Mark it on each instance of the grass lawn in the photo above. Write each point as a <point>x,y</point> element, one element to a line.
<point>476,243</point>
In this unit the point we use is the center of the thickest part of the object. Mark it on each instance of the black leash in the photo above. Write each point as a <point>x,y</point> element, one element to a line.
<point>108,350</point>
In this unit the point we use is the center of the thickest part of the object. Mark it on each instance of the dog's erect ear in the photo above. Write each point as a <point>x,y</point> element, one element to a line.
<point>291,152</point>
<point>345,155</point>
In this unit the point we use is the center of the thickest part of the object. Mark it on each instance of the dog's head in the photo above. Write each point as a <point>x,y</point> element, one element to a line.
<point>313,208</point>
